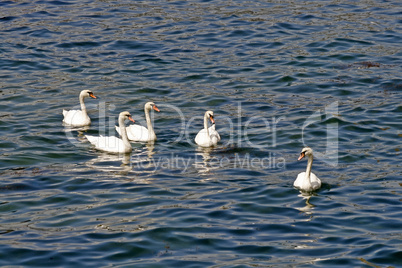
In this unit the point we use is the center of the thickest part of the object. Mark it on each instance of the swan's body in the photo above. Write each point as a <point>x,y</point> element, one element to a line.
<point>208,136</point>
<point>113,144</point>
<point>307,181</point>
<point>79,118</point>
<point>141,133</point>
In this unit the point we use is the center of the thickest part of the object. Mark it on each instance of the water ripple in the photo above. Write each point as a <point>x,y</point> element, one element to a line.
<point>278,77</point>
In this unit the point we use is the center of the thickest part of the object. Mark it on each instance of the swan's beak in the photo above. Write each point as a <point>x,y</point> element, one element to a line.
<point>92,95</point>
<point>156,108</point>
<point>131,119</point>
<point>302,154</point>
<point>212,119</point>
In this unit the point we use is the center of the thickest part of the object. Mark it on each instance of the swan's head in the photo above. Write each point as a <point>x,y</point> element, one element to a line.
<point>150,105</point>
<point>126,115</point>
<point>87,93</point>
<point>307,151</point>
<point>210,115</point>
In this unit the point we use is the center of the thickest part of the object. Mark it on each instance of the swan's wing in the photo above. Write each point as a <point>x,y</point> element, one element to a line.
<point>315,181</point>
<point>215,137</point>
<point>118,129</point>
<point>92,139</point>
<point>313,177</point>
<point>108,143</point>
<point>137,133</point>
<point>70,115</point>
<point>76,118</point>
<point>202,138</point>
<point>301,183</point>
<point>111,144</point>
<point>299,180</point>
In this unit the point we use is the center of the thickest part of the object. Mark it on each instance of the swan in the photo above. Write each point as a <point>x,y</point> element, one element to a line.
<point>113,144</point>
<point>208,137</point>
<point>79,118</point>
<point>307,181</point>
<point>141,133</point>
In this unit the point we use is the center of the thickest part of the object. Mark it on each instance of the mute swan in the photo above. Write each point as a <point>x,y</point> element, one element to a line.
<point>79,118</point>
<point>208,137</point>
<point>141,133</point>
<point>307,181</point>
<point>113,144</point>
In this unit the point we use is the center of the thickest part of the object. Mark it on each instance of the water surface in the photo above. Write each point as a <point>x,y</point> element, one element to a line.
<point>278,76</point>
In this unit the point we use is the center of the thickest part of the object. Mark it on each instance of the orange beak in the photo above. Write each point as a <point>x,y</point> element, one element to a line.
<point>92,95</point>
<point>131,119</point>
<point>301,156</point>
<point>156,108</point>
<point>212,119</point>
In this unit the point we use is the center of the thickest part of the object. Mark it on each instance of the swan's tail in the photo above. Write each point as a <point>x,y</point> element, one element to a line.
<point>118,129</point>
<point>92,139</point>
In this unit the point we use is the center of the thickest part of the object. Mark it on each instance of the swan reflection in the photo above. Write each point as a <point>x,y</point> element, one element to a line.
<point>143,159</point>
<point>114,163</point>
<point>150,149</point>
<point>204,163</point>
<point>308,208</point>
<point>80,130</point>
<point>79,140</point>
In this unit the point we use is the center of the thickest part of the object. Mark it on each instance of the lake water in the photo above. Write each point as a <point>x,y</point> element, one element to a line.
<point>278,75</point>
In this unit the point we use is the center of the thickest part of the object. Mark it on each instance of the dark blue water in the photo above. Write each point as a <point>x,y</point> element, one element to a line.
<point>279,76</point>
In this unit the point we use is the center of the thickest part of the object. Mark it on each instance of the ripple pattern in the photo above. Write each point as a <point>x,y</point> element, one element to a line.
<point>278,75</point>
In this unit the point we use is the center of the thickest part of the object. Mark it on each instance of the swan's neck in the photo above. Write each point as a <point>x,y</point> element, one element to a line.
<point>206,124</point>
<point>124,133</point>
<point>83,108</point>
<point>308,169</point>
<point>149,125</point>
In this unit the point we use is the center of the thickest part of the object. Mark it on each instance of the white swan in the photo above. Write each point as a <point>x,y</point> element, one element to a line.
<point>307,181</point>
<point>79,118</point>
<point>141,133</point>
<point>113,144</point>
<point>208,137</point>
